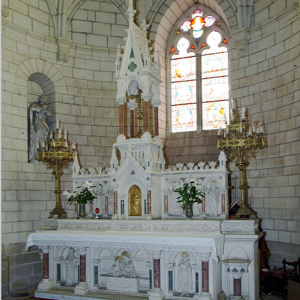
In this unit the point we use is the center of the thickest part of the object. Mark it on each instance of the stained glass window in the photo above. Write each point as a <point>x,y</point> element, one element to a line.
<point>183,88</point>
<point>215,93</point>
<point>199,85</point>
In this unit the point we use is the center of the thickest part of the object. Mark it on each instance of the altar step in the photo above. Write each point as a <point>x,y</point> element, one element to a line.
<point>58,294</point>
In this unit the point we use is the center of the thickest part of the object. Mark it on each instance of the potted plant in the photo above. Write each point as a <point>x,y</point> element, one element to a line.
<point>190,193</point>
<point>82,195</point>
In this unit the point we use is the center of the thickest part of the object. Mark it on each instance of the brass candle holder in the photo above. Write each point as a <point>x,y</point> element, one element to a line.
<point>241,141</point>
<point>57,156</point>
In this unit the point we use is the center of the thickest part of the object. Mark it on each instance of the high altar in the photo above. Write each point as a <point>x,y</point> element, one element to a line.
<point>142,246</point>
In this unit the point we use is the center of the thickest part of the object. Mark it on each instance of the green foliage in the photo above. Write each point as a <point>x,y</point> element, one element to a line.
<point>83,194</point>
<point>189,193</point>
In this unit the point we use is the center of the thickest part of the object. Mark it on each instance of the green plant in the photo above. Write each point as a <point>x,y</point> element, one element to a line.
<point>190,193</point>
<point>82,194</point>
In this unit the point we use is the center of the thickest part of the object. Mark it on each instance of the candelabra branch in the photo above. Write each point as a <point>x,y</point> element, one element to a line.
<point>57,155</point>
<point>241,142</point>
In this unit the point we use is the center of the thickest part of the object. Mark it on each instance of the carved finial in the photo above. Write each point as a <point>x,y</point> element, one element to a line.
<point>130,12</point>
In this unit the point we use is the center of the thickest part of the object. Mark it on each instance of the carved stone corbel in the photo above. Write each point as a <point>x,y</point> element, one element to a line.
<point>241,37</point>
<point>63,49</point>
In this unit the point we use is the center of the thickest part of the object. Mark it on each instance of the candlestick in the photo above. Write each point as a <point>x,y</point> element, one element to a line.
<point>242,142</point>
<point>57,157</point>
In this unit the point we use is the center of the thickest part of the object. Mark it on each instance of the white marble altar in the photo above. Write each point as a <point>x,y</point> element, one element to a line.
<point>210,251</point>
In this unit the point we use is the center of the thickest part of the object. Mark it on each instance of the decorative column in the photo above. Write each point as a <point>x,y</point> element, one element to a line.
<point>223,202</point>
<point>156,129</point>
<point>132,105</point>
<point>115,202</point>
<point>82,287</point>
<point>224,212</point>
<point>155,103</point>
<point>149,204</point>
<point>205,276</point>
<point>46,283</point>
<point>203,213</point>
<point>166,204</point>
<point>156,293</point>
<point>146,98</point>
<point>121,101</point>
<point>236,267</point>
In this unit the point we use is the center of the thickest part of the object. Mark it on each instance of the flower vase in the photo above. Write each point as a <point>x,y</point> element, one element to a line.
<point>81,213</point>
<point>189,210</point>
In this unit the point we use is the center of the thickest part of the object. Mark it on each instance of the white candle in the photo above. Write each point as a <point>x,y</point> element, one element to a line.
<point>262,130</point>
<point>250,131</point>
<point>66,134</point>
<point>59,133</point>
<point>43,143</point>
<point>37,145</point>
<point>219,131</point>
<point>73,145</point>
<point>227,129</point>
<point>57,123</point>
<point>243,113</point>
<point>241,127</point>
<point>51,135</point>
<point>232,104</point>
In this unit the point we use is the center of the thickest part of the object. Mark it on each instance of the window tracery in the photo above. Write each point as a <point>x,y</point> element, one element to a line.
<point>199,73</point>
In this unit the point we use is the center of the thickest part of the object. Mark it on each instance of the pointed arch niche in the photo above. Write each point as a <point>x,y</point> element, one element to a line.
<point>197,144</point>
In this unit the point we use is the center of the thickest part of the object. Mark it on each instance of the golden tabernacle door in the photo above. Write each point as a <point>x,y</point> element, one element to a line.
<point>135,201</point>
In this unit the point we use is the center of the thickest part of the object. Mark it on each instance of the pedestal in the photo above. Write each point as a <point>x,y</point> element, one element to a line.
<point>45,285</point>
<point>81,288</point>
<point>156,294</point>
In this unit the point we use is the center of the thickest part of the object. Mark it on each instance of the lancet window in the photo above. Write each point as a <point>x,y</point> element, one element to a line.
<point>199,73</point>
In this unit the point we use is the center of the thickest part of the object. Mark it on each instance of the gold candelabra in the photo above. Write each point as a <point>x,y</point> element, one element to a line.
<point>57,155</point>
<point>241,141</point>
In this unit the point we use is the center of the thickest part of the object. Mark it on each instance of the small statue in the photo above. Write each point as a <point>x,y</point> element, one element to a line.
<point>185,281</point>
<point>123,266</point>
<point>71,267</point>
<point>127,267</point>
<point>115,268</point>
<point>38,127</point>
<point>213,197</point>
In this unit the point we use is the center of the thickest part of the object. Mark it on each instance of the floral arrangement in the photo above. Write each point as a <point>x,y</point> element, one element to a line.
<point>82,194</point>
<point>190,192</point>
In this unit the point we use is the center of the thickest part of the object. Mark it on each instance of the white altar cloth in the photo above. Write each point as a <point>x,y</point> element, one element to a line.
<point>201,242</point>
<point>122,284</point>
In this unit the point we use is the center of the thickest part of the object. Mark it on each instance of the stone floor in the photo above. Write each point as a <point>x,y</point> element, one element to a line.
<point>26,294</point>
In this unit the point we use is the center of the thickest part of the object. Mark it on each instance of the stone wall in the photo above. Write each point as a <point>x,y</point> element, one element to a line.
<point>265,79</point>
<point>81,89</point>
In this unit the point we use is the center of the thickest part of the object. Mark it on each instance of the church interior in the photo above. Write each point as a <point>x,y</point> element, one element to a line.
<point>138,97</point>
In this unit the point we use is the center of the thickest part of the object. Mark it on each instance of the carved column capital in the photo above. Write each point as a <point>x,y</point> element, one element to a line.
<point>45,249</point>
<point>121,100</point>
<point>132,105</point>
